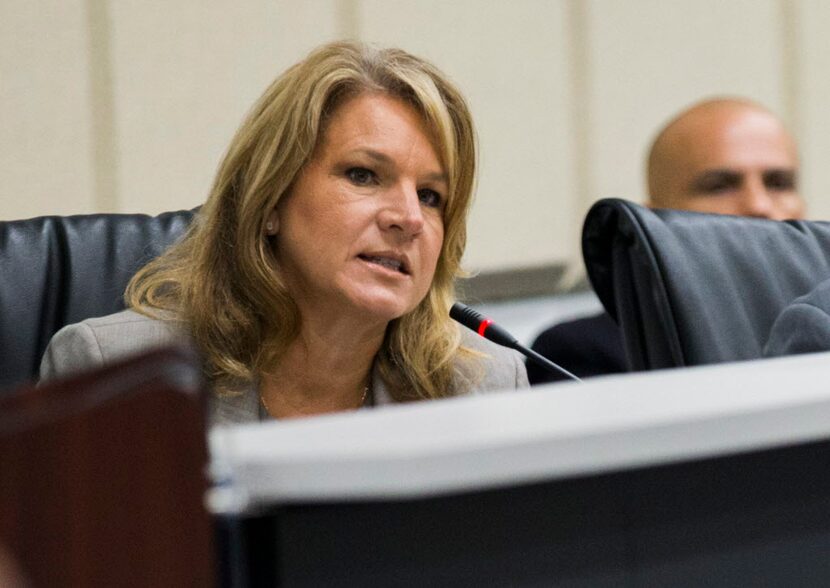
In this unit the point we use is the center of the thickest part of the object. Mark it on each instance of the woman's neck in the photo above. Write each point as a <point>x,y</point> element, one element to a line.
<point>323,370</point>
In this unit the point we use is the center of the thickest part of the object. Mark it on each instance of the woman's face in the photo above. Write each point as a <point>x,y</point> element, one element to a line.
<point>360,231</point>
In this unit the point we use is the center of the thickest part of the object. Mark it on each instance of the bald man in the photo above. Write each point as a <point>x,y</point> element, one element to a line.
<point>725,156</point>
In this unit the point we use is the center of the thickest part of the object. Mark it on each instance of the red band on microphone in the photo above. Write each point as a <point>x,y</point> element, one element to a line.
<point>483,326</point>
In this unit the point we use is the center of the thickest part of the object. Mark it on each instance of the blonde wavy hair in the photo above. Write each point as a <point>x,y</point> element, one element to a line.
<point>222,281</point>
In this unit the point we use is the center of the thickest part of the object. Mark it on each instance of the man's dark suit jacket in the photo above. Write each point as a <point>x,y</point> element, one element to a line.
<point>585,347</point>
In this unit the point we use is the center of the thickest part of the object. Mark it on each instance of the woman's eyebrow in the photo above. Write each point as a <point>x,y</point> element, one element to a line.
<point>376,155</point>
<point>384,159</point>
<point>437,177</point>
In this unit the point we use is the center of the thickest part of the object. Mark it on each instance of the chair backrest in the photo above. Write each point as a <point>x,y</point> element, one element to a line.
<point>689,288</point>
<point>59,270</point>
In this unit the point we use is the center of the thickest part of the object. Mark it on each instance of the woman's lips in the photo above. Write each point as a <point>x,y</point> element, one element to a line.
<point>389,261</point>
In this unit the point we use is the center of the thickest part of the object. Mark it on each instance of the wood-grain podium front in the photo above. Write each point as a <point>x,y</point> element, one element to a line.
<point>103,476</point>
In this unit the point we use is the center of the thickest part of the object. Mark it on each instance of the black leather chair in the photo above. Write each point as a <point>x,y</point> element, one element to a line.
<point>59,270</point>
<point>689,288</point>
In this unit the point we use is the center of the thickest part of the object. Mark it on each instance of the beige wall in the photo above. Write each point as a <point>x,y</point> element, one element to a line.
<point>128,105</point>
<point>45,116</point>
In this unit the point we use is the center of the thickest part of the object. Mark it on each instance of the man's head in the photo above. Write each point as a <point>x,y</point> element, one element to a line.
<point>726,156</point>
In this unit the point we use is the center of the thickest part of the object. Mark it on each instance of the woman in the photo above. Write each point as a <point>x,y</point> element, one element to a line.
<point>319,274</point>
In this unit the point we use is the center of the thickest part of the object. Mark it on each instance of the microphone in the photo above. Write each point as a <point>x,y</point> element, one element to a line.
<point>489,330</point>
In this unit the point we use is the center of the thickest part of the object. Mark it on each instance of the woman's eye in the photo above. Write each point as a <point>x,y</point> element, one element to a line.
<point>430,198</point>
<point>360,176</point>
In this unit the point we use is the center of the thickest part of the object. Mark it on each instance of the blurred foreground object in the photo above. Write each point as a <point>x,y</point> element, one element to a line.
<point>103,477</point>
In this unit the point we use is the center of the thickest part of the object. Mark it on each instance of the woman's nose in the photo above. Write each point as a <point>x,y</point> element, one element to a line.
<point>402,211</point>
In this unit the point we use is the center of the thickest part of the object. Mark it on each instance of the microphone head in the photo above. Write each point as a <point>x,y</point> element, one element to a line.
<point>487,329</point>
<point>482,325</point>
<point>466,316</point>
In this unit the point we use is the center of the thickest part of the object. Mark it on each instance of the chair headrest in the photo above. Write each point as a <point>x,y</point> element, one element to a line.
<point>690,288</point>
<point>60,270</point>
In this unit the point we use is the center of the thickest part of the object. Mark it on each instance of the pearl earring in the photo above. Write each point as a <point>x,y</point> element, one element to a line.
<point>269,226</point>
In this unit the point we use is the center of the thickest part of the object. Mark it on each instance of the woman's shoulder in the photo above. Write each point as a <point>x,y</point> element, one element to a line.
<point>500,368</point>
<point>124,317</point>
<point>129,329</point>
<point>98,341</point>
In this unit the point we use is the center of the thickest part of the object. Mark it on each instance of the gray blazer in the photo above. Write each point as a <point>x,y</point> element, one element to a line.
<point>98,341</point>
<point>803,326</point>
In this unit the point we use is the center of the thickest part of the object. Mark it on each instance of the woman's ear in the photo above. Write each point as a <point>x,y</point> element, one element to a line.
<point>272,223</point>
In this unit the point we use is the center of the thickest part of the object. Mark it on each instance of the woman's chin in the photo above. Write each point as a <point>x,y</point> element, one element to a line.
<point>383,308</point>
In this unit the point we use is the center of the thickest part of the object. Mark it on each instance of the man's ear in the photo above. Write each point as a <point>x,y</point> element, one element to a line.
<point>272,223</point>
